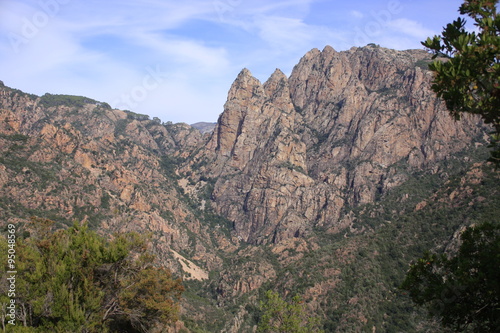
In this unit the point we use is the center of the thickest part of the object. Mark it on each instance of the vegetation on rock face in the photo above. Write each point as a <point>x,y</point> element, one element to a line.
<point>469,81</point>
<point>461,289</point>
<point>74,281</point>
<point>50,100</point>
<point>280,316</point>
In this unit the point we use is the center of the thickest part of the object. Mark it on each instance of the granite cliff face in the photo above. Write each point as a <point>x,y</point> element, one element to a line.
<point>344,128</point>
<point>325,183</point>
<point>285,156</point>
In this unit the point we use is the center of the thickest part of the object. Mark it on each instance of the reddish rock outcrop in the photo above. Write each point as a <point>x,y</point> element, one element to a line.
<point>291,153</point>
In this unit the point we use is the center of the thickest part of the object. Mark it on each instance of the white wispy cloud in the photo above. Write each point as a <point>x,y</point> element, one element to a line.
<point>185,52</point>
<point>283,32</point>
<point>104,49</point>
<point>357,14</point>
<point>409,27</point>
<point>287,35</point>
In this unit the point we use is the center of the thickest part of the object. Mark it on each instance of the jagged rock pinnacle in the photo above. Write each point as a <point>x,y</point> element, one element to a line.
<point>245,72</point>
<point>335,108</point>
<point>277,74</point>
<point>277,81</point>
<point>329,49</point>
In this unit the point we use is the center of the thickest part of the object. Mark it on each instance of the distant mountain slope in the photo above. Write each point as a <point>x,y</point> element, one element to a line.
<point>204,127</point>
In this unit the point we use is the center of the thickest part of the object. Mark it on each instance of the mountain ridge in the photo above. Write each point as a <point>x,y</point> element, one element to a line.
<point>312,184</point>
<point>361,114</point>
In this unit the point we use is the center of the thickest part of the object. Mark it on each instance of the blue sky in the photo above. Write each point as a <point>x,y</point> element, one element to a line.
<point>176,60</point>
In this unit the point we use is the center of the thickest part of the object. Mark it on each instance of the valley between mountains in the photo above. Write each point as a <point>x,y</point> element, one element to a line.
<point>324,184</point>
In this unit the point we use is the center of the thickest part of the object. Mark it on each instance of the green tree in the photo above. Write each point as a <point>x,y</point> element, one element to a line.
<point>73,280</point>
<point>468,76</point>
<point>280,316</point>
<point>463,291</point>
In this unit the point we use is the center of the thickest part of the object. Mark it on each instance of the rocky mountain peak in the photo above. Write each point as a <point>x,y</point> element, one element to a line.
<point>277,84</point>
<point>312,53</point>
<point>328,50</point>
<point>300,149</point>
<point>244,87</point>
<point>241,105</point>
<point>243,73</point>
<point>277,75</point>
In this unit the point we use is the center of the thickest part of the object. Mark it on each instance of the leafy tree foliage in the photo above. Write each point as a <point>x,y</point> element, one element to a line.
<point>280,316</point>
<point>75,281</point>
<point>462,291</point>
<point>469,79</point>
